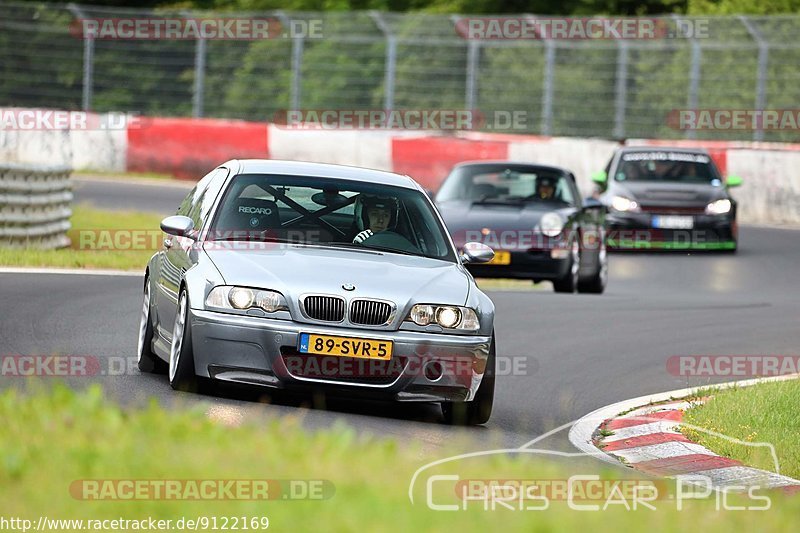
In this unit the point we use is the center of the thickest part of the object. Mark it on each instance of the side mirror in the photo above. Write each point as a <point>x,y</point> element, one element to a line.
<point>177,225</point>
<point>591,202</point>
<point>600,177</point>
<point>733,181</point>
<point>477,252</point>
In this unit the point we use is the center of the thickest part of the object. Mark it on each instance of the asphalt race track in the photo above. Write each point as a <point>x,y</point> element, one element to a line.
<point>148,194</point>
<point>581,351</point>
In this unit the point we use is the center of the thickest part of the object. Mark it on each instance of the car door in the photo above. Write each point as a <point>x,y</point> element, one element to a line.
<point>176,256</point>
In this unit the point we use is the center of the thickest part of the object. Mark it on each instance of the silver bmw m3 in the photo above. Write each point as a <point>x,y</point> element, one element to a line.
<point>293,275</point>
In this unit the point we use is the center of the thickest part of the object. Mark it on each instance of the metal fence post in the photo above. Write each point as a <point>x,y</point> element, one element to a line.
<point>297,66</point>
<point>198,96</point>
<point>389,74</point>
<point>547,87</point>
<point>694,74</point>
<point>694,83</point>
<point>88,72</point>
<point>473,54</point>
<point>621,90</point>
<point>88,61</point>
<point>390,63</point>
<point>761,76</point>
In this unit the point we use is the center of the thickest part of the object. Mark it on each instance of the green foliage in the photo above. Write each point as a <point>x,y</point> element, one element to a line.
<point>88,218</point>
<point>54,437</point>
<point>765,413</point>
<point>539,7</point>
<point>345,69</point>
<point>738,7</point>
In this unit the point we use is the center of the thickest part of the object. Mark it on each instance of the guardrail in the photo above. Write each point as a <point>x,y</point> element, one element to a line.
<point>34,206</point>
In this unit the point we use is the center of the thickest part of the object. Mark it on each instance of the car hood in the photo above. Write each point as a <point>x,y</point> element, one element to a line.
<point>677,194</point>
<point>466,220</point>
<point>294,270</point>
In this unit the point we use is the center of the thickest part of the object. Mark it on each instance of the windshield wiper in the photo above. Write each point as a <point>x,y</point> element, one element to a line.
<point>252,238</point>
<point>366,248</point>
<point>513,200</point>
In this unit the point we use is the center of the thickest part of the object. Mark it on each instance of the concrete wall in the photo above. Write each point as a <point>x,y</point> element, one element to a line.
<point>50,148</point>
<point>771,189</point>
<point>370,149</point>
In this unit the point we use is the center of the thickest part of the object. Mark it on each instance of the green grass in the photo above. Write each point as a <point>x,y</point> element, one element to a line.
<point>670,245</point>
<point>51,438</point>
<point>767,412</point>
<point>93,249</point>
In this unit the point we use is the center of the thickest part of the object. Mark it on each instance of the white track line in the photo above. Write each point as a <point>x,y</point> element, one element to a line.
<point>72,272</point>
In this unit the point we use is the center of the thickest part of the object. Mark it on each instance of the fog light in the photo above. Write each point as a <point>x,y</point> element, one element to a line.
<point>559,253</point>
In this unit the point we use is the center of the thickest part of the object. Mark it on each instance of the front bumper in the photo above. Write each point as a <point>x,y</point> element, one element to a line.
<point>636,231</point>
<point>532,264</point>
<point>263,351</point>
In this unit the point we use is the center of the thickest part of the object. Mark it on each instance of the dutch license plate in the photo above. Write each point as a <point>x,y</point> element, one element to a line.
<point>345,346</point>
<point>673,222</point>
<point>500,258</point>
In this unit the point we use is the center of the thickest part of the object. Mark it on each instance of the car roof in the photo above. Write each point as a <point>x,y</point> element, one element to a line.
<point>512,163</point>
<point>701,151</point>
<point>320,170</point>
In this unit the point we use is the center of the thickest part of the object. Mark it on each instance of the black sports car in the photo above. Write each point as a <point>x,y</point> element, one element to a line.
<point>533,217</point>
<point>667,198</point>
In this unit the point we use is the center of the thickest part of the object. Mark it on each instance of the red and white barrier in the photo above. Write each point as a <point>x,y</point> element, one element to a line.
<point>189,148</point>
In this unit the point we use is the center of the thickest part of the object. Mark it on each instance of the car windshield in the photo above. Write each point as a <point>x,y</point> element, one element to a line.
<point>329,212</point>
<point>667,167</point>
<point>506,184</point>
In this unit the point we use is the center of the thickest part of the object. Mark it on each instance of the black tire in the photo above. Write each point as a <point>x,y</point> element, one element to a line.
<point>569,283</point>
<point>479,410</point>
<point>597,283</point>
<point>181,362</point>
<point>147,360</point>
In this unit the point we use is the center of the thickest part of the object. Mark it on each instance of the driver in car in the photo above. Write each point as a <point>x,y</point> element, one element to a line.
<point>545,189</point>
<point>374,214</point>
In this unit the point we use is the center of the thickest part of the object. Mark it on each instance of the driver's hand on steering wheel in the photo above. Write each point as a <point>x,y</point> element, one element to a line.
<point>363,236</point>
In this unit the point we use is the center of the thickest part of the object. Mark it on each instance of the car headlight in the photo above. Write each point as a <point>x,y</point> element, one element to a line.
<point>243,298</point>
<point>720,207</point>
<point>620,203</point>
<point>447,316</point>
<point>551,224</point>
